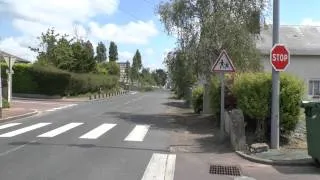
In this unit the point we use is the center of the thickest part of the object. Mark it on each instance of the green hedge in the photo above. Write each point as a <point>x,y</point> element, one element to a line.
<point>37,79</point>
<point>197,99</point>
<point>251,92</point>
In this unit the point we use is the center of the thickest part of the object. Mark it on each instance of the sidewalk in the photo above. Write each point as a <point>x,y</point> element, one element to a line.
<point>297,157</point>
<point>16,113</point>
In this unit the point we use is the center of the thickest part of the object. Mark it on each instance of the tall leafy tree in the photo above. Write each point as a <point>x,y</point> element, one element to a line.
<point>113,51</point>
<point>160,76</point>
<point>90,62</point>
<point>101,53</point>
<point>136,65</point>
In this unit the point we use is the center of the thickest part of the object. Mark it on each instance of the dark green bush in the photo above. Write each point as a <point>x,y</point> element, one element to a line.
<point>253,93</point>
<point>39,79</point>
<point>197,99</point>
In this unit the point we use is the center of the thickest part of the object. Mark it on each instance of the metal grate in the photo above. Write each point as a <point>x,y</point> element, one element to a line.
<point>225,170</point>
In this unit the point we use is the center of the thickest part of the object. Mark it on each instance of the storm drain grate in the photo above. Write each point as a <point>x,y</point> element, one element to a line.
<point>225,170</point>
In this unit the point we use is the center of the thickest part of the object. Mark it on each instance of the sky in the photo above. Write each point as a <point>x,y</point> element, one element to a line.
<point>132,24</point>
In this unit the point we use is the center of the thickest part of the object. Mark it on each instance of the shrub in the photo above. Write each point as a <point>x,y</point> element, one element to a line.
<point>197,99</point>
<point>39,79</point>
<point>113,68</point>
<point>253,93</point>
<point>291,93</point>
<point>215,95</point>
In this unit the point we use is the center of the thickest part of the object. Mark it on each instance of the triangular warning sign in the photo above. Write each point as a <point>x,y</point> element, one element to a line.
<point>223,63</point>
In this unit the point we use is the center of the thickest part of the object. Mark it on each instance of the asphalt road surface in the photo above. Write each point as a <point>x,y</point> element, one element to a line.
<point>114,139</point>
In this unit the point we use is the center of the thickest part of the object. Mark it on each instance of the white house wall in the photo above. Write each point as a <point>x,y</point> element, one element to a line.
<point>305,67</point>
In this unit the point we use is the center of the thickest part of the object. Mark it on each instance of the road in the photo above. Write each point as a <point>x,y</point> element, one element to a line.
<point>121,138</point>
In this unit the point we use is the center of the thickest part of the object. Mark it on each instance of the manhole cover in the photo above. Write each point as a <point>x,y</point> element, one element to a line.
<point>225,170</point>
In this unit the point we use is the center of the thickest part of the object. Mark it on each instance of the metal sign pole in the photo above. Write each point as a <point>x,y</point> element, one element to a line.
<point>0,94</point>
<point>222,106</point>
<point>275,83</point>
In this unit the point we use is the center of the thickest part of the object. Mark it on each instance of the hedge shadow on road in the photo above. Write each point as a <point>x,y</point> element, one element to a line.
<point>199,133</point>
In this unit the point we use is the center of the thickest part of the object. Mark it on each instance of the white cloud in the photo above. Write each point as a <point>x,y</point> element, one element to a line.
<point>310,22</point>
<point>149,51</point>
<point>17,47</point>
<point>125,56</point>
<point>73,17</point>
<point>60,11</point>
<point>134,32</point>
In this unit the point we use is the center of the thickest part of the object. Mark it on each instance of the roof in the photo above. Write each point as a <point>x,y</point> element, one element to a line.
<point>18,59</point>
<point>300,40</point>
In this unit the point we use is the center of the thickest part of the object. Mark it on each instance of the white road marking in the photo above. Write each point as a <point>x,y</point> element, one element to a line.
<point>24,130</point>
<point>170,167</point>
<point>60,130</point>
<point>98,131</point>
<point>61,107</point>
<point>138,133</point>
<point>9,125</point>
<point>160,167</point>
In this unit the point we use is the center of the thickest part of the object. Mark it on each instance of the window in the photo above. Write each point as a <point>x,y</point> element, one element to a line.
<point>314,87</point>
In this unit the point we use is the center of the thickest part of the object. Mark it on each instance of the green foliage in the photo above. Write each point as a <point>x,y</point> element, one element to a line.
<point>136,66</point>
<point>5,103</point>
<point>23,79</point>
<point>101,53</point>
<point>113,51</point>
<point>49,80</point>
<point>197,99</point>
<point>291,92</point>
<point>180,72</point>
<point>84,83</point>
<point>160,76</point>
<point>71,55</point>
<point>113,68</point>
<point>253,93</point>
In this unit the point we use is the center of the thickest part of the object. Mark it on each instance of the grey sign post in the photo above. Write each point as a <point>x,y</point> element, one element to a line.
<point>222,65</point>
<point>275,82</point>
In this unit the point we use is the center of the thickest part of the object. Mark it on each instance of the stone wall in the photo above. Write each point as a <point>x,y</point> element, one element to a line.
<point>235,129</point>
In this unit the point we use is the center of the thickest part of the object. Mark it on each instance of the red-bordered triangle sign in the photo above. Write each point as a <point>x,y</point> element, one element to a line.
<point>223,63</point>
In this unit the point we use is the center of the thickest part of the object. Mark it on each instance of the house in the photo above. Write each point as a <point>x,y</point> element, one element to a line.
<point>303,43</point>
<point>18,59</point>
<point>124,67</point>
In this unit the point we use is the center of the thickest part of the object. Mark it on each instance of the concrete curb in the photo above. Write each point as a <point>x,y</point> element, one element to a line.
<point>29,114</point>
<point>97,97</point>
<point>302,162</point>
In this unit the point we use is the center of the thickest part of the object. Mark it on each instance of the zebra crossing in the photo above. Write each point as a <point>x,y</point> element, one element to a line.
<point>137,133</point>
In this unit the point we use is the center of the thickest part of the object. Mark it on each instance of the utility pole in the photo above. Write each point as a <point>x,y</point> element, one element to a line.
<point>275,132</point>
<point>1,105</point>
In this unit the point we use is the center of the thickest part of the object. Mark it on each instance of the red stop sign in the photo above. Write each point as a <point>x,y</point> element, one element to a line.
<point>279,57</point>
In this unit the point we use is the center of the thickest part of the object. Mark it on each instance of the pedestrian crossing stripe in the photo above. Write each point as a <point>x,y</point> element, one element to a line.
<point>223,63</point>
<point>98,131</point>
<point>137,133</point>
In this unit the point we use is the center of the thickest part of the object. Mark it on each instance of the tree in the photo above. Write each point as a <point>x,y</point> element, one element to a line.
<point>204,28</point>
<point>160,76</point>
<point>90,62</point>
<point>101,53</point>
<point>113,51</point>
<point>45,50</point>
<point>136,65</point>
<point>113,68</point>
